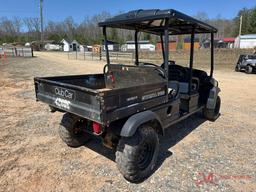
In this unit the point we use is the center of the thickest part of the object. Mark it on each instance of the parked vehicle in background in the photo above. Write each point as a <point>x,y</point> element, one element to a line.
<point>246,63</point>
<point>129,106</point>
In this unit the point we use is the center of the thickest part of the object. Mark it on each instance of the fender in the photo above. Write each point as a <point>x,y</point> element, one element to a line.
<point>136,120</point>
<point>252,64</point>
<point>211,102</point>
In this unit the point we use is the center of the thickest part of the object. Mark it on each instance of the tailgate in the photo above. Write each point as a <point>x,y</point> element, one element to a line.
<point>70,98</point>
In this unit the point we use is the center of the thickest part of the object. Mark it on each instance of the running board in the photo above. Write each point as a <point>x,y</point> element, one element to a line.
<point>184,117</point>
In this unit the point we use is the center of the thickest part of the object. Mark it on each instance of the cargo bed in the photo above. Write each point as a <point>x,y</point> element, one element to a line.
<point>88,96</point>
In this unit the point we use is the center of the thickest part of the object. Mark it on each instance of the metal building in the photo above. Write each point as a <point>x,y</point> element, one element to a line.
<point>246,41</point>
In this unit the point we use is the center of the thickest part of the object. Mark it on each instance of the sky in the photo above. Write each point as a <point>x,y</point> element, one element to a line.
<point>58,10</point>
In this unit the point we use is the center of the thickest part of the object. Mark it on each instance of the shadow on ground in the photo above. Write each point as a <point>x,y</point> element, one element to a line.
<point>173,135</point>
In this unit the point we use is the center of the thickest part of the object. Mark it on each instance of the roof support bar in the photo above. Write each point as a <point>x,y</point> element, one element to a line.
<point>136,48</point>
<point>162,45</point>
<point>191,58</point>
<point>166,46</point>
<point>212,54</point>
<point>166,55</point>
<point>106,44</point>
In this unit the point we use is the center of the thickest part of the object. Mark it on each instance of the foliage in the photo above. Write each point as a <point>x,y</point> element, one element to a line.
<point>87,32</point>
<point>249,21</point>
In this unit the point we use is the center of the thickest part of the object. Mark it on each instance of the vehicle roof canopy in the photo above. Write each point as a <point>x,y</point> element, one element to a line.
<point>153,21</point>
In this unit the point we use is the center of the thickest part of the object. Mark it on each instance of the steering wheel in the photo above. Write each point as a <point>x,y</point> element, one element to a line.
<point>170,62</point>
<point>160,69</point>
<point>177,72</point>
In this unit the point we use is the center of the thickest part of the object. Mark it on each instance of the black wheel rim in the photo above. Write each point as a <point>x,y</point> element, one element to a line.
<point>146,154</point>
<point>248,69</point>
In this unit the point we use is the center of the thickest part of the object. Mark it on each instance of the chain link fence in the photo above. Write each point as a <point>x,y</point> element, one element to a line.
<point>114,56</point>
<point>222,57</point>
<point>16,52</point>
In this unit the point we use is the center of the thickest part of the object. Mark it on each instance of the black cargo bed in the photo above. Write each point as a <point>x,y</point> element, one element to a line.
<point>88,97</point>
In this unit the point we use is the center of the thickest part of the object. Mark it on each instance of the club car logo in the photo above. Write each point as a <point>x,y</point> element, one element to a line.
<point>62,103</point>
<point>64,93</point>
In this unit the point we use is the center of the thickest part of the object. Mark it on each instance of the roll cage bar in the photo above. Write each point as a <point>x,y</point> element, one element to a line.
<point>162,23</point>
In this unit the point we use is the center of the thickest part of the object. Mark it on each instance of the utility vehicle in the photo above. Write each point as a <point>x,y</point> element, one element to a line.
<point>246,63</point>
<point>129,106</point>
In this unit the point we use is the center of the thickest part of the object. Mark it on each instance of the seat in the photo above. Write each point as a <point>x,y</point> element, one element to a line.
<point>179,82</point>
<point>181,74</point>
<point>178,73</point>
<point>200,74</point>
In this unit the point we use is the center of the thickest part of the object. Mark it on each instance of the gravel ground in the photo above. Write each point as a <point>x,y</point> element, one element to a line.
<point>196,155</point>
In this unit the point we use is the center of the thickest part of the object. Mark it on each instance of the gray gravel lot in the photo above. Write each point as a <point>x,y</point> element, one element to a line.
<point>196,155</point>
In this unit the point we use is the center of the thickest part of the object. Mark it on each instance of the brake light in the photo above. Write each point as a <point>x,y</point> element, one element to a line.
<point>96,128</point>
<point>111,77</point>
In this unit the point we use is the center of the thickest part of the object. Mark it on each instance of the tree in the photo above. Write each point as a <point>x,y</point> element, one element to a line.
<point>249,21</point>
<point>202,16</point>
<point>33,27</point>
<point>252,21</point>
<point>113,35</point>
<point>69,27</point>
<point>88,32</point>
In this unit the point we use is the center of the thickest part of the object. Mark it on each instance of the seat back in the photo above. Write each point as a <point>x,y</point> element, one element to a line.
<point>178,73</point>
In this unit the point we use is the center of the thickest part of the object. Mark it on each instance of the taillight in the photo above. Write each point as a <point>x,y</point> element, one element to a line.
<point>96,128</point>
<point>111,77</point>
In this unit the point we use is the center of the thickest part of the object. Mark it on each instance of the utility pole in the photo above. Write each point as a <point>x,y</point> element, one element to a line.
<point>42,21</point>
<point>240,30</point>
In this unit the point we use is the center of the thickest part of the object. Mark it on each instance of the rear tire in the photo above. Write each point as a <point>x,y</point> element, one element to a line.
<point>70,132</point>
<point>248,69</point>
<point>136,156</point>
<point>213,114</point>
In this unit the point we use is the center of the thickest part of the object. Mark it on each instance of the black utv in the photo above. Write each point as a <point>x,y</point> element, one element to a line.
<point>246,63</point>
<point>129,106</point>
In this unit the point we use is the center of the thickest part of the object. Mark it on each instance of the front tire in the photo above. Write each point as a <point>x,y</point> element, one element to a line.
<point>70,132</point>
<point>248,69</point>
<point>213,114</point>
<point>136,156</point>
<point>238,68</point>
